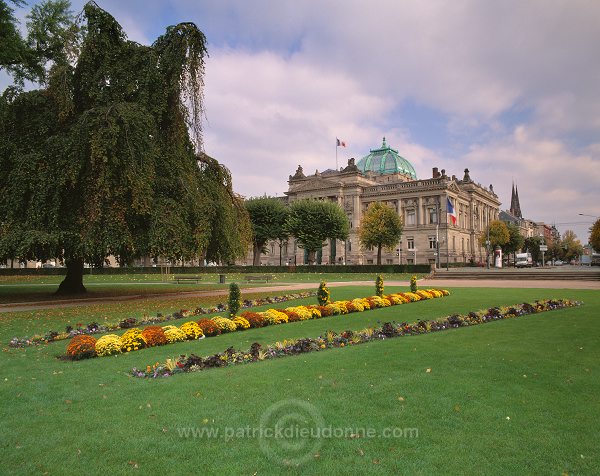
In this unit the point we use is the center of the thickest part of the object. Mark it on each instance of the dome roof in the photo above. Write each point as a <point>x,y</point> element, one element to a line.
<point>386,161</point>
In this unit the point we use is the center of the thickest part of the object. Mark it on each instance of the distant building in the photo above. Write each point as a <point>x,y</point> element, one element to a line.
<point>384,176</point>
<point>527,227</point>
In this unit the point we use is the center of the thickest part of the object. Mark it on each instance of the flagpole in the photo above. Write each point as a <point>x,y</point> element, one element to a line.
<point>447,240</point>
<point>336,161</point>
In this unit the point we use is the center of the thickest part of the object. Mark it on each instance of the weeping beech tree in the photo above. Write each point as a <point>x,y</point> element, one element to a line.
<point>107,157</point>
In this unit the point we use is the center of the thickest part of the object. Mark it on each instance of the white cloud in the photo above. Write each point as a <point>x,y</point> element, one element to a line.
<point>555,184</point>
<point>267,114</point>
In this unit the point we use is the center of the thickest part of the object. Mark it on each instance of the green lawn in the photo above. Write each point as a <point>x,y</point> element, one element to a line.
<point>515,396</point>
<point>41,288</point>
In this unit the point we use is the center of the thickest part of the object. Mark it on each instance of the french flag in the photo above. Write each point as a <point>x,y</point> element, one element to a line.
<point>451,211</point>
<point>340,143</point>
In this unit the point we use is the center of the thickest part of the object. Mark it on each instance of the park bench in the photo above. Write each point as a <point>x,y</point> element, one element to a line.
<point>264,278</point>
<point>186,278</point>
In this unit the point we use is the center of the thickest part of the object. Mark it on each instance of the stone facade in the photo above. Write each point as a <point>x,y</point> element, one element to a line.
<point>421,204</point>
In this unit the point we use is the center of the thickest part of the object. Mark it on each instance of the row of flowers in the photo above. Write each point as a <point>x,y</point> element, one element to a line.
<point>130,322</point>
<point>330,339</point>
<point>86,346</point>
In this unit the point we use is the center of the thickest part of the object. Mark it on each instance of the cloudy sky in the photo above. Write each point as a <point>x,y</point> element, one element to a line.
<point>507,89</point>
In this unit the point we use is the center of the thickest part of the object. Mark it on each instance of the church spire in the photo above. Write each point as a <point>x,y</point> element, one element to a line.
<point>515,206</point>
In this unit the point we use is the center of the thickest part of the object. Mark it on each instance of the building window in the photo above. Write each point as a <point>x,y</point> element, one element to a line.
<point>454,243</point>
<point>389,261</point>
<point>432,212</point>
<point>410,243</point>
<point>462,244</point>
<point>410,217</point>
<point>369,261</point>
<point>410,261</point>
<point>349,246</point>
<point>432,243</point>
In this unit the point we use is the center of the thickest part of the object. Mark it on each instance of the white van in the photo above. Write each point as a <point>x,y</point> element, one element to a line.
<point>523,260</point>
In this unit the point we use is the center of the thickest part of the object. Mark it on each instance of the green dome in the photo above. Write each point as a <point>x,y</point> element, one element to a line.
<point>386,161</point>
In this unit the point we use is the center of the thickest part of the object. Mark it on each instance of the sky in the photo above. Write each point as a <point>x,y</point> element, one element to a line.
<point>509,90</point>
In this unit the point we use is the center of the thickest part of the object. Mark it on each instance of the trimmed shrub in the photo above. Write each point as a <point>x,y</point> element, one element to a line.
<point>379,286</point>
<point>81,347</point>
<point>235,299</point>
<point>209,327</point>
<point>255,319</point>
<point>323,294</point>
<point>192,330</point>
<point>133,339</point>
<point>109,345</point>
<point>174,334</point>
<point>226,325</point>
<point>154,336</point>
<point>241,323</point>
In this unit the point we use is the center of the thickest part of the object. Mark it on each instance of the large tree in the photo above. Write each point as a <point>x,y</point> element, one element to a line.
<point>595,236</point>
<point>107,158</point>
<point>312,222</point>
<point>267,216</point>
<point>571,246</point>
<point>380,227</point>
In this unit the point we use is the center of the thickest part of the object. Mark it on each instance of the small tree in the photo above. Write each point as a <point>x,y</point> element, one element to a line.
<point>498,234</point>
<point>267,216</point>
<point>532,245</point>
<point>595,236</point>
<point>312,222</point>
<point>515,240</point>
<point>323,294</point>
<point>380,227</point>
<point>379,285</point>
<point>235,299</point>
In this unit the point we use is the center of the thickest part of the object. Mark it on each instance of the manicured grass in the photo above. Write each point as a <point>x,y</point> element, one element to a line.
<point>540,371</point>
<point>42,288</point>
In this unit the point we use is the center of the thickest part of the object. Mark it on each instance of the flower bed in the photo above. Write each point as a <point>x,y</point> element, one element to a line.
<point>134,339</point>
<point>330,339</point>
<point>95,328</point>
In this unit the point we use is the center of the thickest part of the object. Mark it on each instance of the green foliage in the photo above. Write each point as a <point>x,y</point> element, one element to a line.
<point>267,217</point>
<point>379,286</point>
<point>101,162</point>
<point>323,294</point>
<point>235,299</point>
<point>532,245</point>
<point>499,234</point>
<point>413,284</point>
<point>515,239</point>
<point>311,222</point>
<point>380,227</point>
<point>571,246</point>
<point>52,39</point>
<point>595,236</point>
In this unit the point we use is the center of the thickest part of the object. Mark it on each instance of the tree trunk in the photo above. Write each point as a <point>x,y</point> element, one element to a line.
<point>378,255</point>
<point>257,250</point>
<point>73,282</point>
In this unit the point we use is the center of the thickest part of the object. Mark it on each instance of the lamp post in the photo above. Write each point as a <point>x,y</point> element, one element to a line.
<point>487,246</point>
